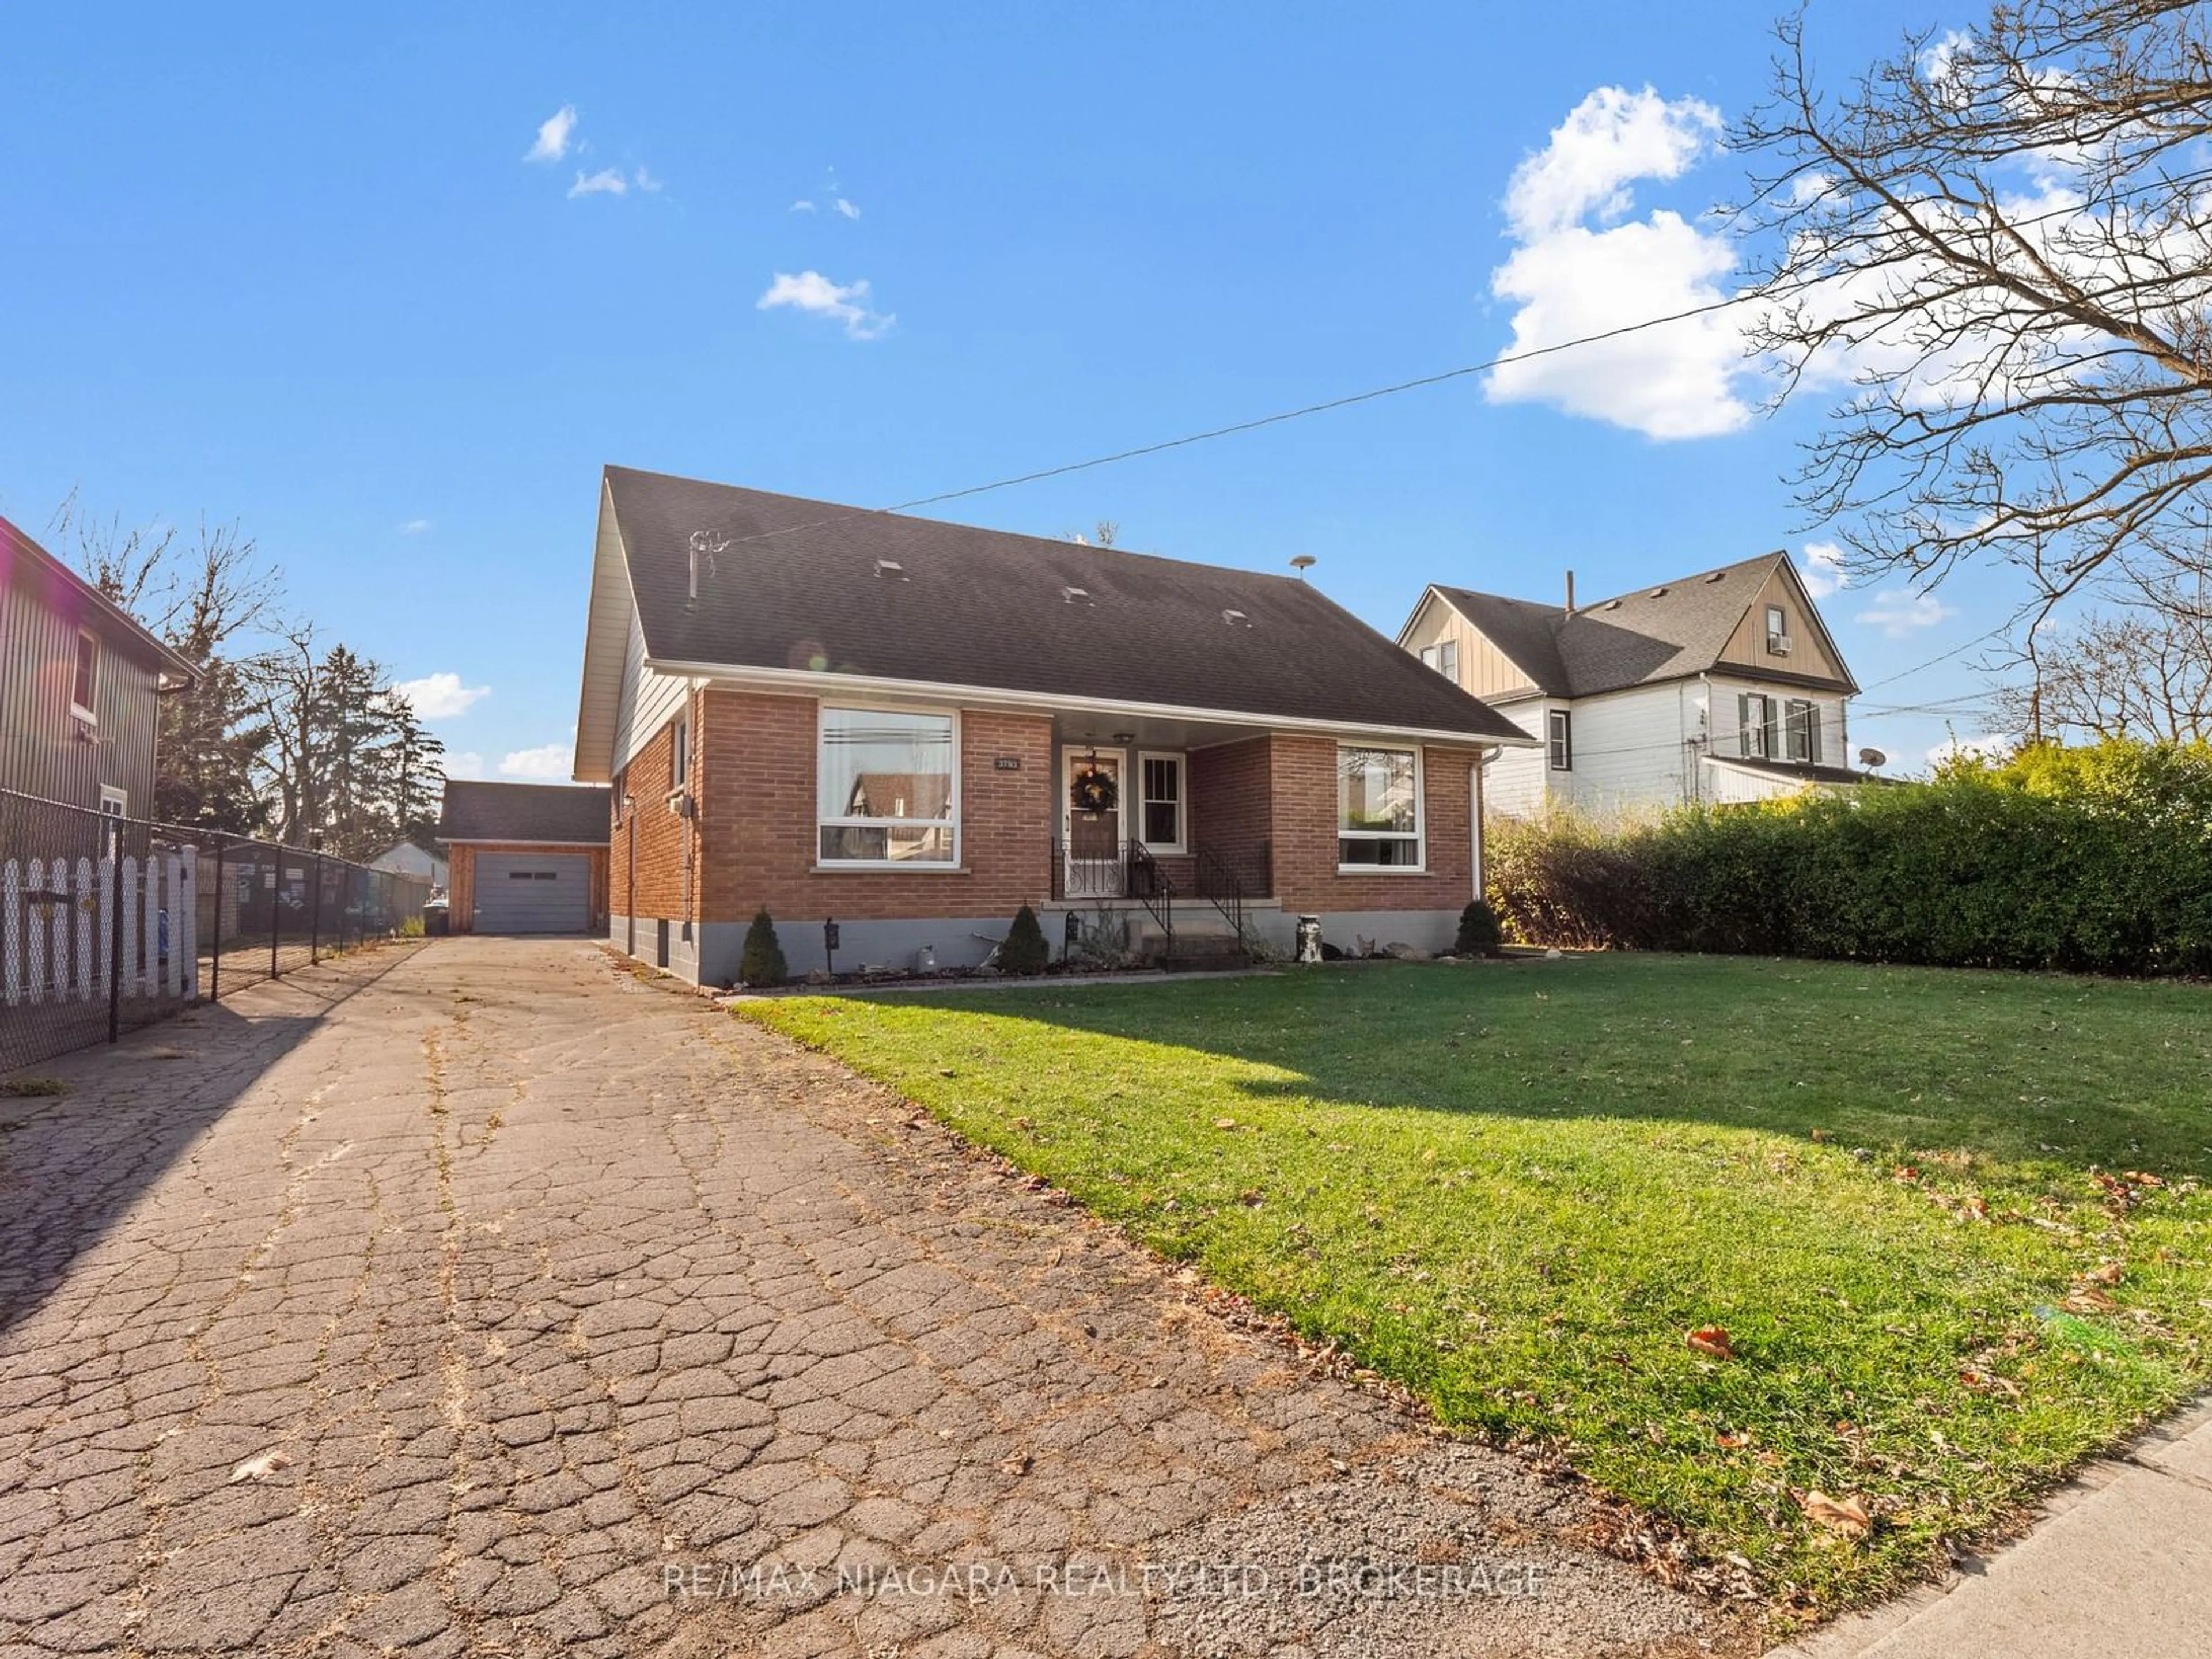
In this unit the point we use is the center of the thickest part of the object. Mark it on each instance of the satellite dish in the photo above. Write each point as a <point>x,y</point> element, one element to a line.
<point>1873,757</point>
<point>1302,563</point>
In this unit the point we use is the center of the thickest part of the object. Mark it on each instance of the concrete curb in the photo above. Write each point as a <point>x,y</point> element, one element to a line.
<point>2120,1563</point>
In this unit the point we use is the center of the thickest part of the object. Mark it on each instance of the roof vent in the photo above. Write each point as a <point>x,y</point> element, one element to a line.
<point>1613,604</point>
<point>1076,595</point>
<point>1235,619</point>
<point>1717,576</point>
<point>1658,593</point>
<point>890,570</point>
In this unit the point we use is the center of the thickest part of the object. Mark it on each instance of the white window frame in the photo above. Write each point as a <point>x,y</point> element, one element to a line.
<point>1420,835</point>
<point>679,753</point>
<point>1754,739</point>
<point>1778,627</point>
<point>1801,715</point>
<point>114,802</point>
<point>1181,763</point>
<point>84,711</point>
<point>1444,657</point>
<point>1559,738</point>
<point>953,866</point>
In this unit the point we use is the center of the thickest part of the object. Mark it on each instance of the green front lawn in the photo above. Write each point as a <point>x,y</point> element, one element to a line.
<point>1909,1197</point>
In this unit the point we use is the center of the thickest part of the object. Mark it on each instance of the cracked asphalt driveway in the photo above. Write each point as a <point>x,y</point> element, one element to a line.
<point>478,1298</point>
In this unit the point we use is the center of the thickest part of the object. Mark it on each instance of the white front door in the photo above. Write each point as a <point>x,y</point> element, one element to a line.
<point>1090,837</point>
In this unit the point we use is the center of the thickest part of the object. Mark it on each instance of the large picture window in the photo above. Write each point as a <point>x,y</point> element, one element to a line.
<point>1378,808</point>
<point>888,789</point>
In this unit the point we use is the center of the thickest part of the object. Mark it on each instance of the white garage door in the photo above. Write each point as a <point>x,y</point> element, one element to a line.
<point>533,892</point>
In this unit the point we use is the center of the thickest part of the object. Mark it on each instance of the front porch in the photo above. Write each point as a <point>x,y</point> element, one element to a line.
<point>1167,825</point>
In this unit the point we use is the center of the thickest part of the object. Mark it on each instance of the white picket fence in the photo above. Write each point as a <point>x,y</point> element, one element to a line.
<point>58,926</point>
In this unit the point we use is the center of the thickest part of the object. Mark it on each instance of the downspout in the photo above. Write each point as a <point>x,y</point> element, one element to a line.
<point>1701,746</point>
<point>1482,759</point>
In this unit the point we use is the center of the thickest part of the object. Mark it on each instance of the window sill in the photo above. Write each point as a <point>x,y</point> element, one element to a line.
<point>1381,869</point>
<point>78,711</point>
<point>893,867</point>
<point>1165,849</point>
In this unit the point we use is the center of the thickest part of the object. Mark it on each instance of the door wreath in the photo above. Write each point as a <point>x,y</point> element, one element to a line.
<point>1094,790</point>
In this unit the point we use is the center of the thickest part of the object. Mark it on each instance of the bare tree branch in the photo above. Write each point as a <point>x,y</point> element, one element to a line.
<point>1999,246</point>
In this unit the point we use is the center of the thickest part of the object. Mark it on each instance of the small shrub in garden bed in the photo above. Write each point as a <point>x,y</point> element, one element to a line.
<point>762,963</point>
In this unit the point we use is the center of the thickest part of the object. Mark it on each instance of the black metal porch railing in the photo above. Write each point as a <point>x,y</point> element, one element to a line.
<point>1122,870</point>
<point>1220,881</point>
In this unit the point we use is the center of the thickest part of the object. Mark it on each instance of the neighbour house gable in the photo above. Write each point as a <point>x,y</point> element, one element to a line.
<point>80,685</point>
<point>1671,631</point>
<point>739,585</point>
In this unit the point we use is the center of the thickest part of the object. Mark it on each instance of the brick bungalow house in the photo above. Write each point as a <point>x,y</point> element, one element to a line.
<point>915,728</point>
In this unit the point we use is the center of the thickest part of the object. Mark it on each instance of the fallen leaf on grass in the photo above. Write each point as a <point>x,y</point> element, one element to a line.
<point>2111,1274</point>
<point>1846,1516</point>
<point>261,1467</point>
<point>1710,1339</point>
<point>1989,1382</point>
<point>1224,1123</point>
<point>2088,1300</point>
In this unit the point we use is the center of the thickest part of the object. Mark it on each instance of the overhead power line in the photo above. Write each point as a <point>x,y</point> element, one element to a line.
<point>1418,383</point>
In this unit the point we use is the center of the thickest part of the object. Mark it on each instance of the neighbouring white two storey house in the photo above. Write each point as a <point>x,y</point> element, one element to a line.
<point>1723,686</point>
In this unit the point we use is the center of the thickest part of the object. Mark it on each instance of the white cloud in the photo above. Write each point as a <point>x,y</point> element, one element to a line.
<point>607,181</point>
<point>467,764</point>
<point>646,182</point>
<point>812,292</point>
<point>440,697</point>
<point>1575,272</point>
<point>1610,140</point>
<point>802,205</point>
<point>414,527</point>
<point>553,135</point>
<point>1899,611</point>
<point>551,761</point>
<point>1821,568</point>
<point>846,208</point>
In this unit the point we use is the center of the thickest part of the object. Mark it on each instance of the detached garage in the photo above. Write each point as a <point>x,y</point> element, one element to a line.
<point>527,858</point>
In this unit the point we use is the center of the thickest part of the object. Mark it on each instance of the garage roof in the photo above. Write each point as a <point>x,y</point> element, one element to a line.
<point>532,814</point>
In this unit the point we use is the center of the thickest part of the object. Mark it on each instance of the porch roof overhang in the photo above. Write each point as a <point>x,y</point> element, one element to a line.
<point>807,682</point>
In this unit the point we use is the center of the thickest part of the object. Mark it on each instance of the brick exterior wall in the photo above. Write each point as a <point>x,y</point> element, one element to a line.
<point>1268,801</point>
<point>461,879</point>
<point>1301,781</point>
<point>1233,808</point>
<point>756,776</point>
<point>652,841</point>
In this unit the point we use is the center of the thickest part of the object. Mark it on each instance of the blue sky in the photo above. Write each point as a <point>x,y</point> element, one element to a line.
<point>295,269</point>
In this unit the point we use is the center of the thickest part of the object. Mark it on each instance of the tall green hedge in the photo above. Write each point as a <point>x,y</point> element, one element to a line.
<point>2095,860</point>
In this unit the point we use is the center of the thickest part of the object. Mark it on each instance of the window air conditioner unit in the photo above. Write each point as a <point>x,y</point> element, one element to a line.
<point>679,802</point>
<point>1778,644</point>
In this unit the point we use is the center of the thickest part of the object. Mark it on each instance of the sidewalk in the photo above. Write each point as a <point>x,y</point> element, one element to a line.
<point>2120,1564</point>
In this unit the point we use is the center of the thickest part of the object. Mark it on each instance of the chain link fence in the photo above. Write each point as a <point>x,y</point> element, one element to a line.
<point>108,923</point>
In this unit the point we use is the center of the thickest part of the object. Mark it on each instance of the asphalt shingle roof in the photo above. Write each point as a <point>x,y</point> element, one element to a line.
<point>1662,633</point>
<point>548,813</point>
<point>789,583</point>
